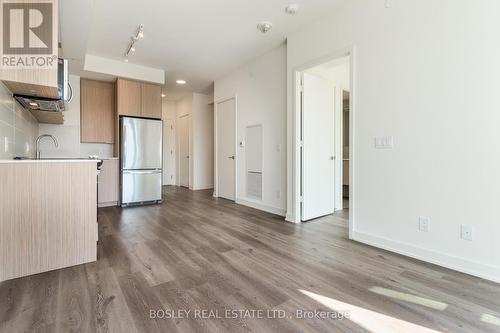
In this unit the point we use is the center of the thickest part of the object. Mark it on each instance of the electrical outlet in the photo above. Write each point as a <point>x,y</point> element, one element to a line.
<point>467,232</point>
<point>424,224</point>
<point>278,195</point>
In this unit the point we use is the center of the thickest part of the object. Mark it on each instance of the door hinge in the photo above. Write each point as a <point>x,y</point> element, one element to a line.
<point>301,198</point>
<point>301,144</point>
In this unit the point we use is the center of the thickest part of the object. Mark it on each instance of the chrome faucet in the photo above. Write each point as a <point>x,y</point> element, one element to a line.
<point>37,143</point>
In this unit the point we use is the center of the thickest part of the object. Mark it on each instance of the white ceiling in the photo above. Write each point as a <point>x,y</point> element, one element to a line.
<point>195,40</point>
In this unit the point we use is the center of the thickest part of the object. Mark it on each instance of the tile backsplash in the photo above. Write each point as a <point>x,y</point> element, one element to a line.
<point>18,128</point>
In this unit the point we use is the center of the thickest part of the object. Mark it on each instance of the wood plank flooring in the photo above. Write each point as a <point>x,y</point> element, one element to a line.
<point>197,253</point>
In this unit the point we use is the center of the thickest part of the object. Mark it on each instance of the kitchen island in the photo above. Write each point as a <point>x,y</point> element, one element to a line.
<point>48,215</point>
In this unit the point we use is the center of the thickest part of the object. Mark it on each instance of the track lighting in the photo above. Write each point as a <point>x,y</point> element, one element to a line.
<point>131,46</point>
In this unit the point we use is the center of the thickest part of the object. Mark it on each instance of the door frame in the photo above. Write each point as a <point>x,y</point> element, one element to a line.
<point>216,148</point>
<point>178,171</point>
<point>295,168</point>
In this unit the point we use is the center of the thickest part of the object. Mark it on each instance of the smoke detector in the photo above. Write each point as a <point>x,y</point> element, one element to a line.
<point>264,27</point>
<point>292,9</point>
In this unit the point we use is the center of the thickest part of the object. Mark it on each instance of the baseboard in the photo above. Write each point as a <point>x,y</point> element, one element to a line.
<point>484,271</point>
<point>107,204</point>
<point>260,206</point>
<point>198,188</point>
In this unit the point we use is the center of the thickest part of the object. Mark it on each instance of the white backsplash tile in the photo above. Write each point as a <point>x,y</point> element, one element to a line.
<point>18,128</point>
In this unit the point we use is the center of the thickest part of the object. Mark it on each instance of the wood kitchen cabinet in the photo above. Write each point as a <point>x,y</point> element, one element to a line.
<point>97,111</point>
<point>138,99</point>
<point>151,101</point>
<point>128,97</point>
<point>108,183</point>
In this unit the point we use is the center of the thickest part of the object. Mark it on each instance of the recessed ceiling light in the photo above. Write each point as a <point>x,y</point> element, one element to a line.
<point>181,81</point>
<point>33,104</point>
<point>125,59</point>
<point>264,27</point>
<point>162,95</point>
<point>292,9</point>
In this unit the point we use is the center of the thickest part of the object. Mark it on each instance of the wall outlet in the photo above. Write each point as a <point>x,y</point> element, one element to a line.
<point>467,232</point>
<point>424,224</point>
<point>278,195</point>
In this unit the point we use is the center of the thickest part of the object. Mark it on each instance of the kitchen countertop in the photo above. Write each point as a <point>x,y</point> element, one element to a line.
<point>50,160</point>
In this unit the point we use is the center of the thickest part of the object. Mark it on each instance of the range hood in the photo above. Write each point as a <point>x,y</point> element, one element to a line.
<point>35,103</point>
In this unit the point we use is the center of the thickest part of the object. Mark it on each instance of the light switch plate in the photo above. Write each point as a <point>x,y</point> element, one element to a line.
<point>384,142</point>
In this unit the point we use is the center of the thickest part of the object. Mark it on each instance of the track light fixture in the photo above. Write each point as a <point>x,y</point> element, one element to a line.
<point>134,39</point>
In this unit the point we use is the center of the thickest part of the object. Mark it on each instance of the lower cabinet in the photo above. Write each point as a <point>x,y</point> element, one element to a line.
<point>108,184</point>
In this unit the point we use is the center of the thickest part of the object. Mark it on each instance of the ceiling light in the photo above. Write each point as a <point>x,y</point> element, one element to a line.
<point>180,82</point>
<point>33,104</point>
<point>163,95</point>
<point>125,59</point>
<point>292,9</point>
<point>134,39</point>
<point>264,27</point>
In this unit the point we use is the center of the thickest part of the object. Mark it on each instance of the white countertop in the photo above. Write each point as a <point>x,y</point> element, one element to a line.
<point>49,161</point>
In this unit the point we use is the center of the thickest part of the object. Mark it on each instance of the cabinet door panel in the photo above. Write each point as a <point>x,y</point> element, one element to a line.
<point>151,101</point>
<point>97,111</point>
<point>108,183</point>
<point>128,97</point>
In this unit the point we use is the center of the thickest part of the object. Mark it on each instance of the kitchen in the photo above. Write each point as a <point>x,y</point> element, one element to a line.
<point>83,137</point>
<point>157,159</point>
<point>71,145</point>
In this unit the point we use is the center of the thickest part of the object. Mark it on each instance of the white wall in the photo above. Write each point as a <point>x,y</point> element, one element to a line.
<point>68,134</point>
<point>18,128</point>
<point>203,142</point>
<point>201,137</point>
<point>184,107</point>
<point>426,72</point>
<point>169,164</point>
<point>261,99</point>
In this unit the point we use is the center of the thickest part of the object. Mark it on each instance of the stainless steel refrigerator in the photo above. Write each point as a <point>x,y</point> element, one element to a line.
<point>141,160</point>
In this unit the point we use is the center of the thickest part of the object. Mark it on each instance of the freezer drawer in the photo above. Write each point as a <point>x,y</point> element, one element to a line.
<point>141,186</point>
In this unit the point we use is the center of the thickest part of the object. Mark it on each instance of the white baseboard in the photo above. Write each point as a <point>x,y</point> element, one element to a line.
<point>481,270</point>
<point>205,187</point>
<point>261,206</point>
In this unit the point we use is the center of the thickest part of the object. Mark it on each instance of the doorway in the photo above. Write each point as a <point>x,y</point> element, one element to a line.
<point>324,104</point>
<point>183,128</point>
<point>225,151</point>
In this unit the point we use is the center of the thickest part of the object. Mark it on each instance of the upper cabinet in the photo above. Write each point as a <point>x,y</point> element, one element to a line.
<point>151,101</point>
<point>97,111</point>
<point>128,97</point>
<point>138,99</point>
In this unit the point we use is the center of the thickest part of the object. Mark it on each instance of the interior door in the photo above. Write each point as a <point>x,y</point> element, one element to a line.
<point>183,129</point>
<point>318,167</point>
<point>168,152</point>
<point>226,142</point>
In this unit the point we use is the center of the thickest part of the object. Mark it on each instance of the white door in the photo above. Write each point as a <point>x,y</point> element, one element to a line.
<point>318,167</point>
<point>168,152</point>
<point>183,128</point>
<point>226,142</point>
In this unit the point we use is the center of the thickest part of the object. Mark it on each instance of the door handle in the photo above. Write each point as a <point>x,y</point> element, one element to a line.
<point>332,158</point>
<point>187,156</point>
<point>232,157</point>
